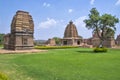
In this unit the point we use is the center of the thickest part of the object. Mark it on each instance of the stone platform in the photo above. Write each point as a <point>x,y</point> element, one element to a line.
<point>4,51</point>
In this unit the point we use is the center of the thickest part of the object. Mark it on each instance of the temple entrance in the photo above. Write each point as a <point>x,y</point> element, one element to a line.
<point>65,42</point>
<point>78,42</point>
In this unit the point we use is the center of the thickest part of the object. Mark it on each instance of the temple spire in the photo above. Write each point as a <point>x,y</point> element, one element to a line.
<point>71,22</point>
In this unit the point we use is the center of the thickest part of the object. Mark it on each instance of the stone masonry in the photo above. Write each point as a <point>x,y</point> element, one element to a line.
<point>71,36</point>
<point>22,30</point>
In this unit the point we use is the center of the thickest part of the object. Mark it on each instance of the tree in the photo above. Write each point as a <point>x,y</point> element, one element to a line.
<point>1,38</point>
<point>104,25</point>
<point>57,40</point>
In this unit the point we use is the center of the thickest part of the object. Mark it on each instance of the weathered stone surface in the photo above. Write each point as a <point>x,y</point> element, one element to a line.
<point>71,31</point>
<point>109,42</point>
<point>95,41</point>
<point>51,42</point>
<point>22,30</point>
<point>118,40</point>
<point>71,36</point>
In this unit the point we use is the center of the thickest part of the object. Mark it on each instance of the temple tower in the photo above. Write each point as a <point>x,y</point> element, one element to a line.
<point>22,30</point>
<point>71,36</point>
<point>71,30</point>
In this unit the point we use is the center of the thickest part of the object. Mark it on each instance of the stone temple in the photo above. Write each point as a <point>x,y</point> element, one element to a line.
<point>71,36</point>
<point>109,42</point>
<point>22,29</point>
<point>118,40</point>
<point>95,41</point>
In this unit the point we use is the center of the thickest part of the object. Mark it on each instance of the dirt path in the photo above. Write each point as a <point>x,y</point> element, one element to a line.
<point>3,51</point>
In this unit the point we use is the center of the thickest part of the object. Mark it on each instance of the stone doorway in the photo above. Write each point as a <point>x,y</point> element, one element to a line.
<point>65,42</point>
<point>78,42</point>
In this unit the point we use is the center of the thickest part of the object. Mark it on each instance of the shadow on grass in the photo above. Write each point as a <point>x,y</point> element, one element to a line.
<point>85,51</point>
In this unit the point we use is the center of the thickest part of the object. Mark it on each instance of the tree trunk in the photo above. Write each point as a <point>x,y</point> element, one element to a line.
<point>101,44</point>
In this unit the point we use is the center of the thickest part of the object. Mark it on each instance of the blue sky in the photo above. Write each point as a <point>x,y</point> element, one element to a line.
<point>51,16</point>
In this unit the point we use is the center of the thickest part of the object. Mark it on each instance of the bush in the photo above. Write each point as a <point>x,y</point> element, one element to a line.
<point>3,77</point>
<point>100,49</point>
<point>54,47</point>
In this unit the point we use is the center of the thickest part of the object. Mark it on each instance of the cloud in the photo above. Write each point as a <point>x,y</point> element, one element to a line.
<point>117,3</point>
<point>92,2</point>
<point>70,10</point>
<point>48,23</point>
<point>79,21</point>
<point>46,4</point>
<point>82,30</point>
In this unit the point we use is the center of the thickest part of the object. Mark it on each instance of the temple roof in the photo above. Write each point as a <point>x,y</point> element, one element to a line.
<point>71,30</point>
<point>22,22</point>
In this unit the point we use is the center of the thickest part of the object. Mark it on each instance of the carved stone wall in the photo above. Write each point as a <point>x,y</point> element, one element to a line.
<point>51,42</point>
<point>71,30</point>
<point>118,40</point>
<point>22,30</point>
<point>71,35</point>
<point>109,42</point>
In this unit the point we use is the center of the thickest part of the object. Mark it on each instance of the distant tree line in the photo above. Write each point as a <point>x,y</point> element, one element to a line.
<point>57,40</point>
<point>1,38</point>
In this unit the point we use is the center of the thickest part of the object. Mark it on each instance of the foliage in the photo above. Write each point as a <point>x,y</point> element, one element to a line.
<point>1,46</point>
<point>40,42</point>
<point>57,40</point>
<point>100,49</point>
<point>54,47</point>
<point>3,76</point>
<point>1,38</point>
<point>104,25</point>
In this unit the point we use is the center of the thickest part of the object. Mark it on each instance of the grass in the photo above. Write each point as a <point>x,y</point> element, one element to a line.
<point>1,46</point>
<point>62,64</point>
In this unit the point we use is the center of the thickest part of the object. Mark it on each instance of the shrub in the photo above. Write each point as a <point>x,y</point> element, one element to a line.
<point>100,49</point>
<point>54,47</point>
<point>1,46</point>
<point>3,77</point>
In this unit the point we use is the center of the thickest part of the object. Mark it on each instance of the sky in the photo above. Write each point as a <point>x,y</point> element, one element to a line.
<point>52,16</point>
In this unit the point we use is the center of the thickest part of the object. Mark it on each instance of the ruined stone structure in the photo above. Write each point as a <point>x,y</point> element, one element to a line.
<point>110,42</point>
<point>71,36</point>
<point>22,29</point>
<point>95,41</point>
<point>118,40</point>
<point>51,42</point>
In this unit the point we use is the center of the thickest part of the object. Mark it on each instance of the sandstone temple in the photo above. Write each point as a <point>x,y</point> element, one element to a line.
<point>71,36</point>
<point>95,41</point>
<point>118,40</point>
<point>22,30</point>
<point>21,35</point>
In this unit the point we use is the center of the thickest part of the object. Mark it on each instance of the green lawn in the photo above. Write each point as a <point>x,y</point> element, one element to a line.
<point>1,46</point>
<point>62,64</point>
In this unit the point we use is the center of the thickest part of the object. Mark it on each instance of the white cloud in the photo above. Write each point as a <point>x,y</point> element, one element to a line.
<point>117,3</point>
<point>46,4</point>
<point>92,2</point>
<point>82,30</point>
<point>70,10</point>
<point>48,23</point>
<point>79,22</point>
